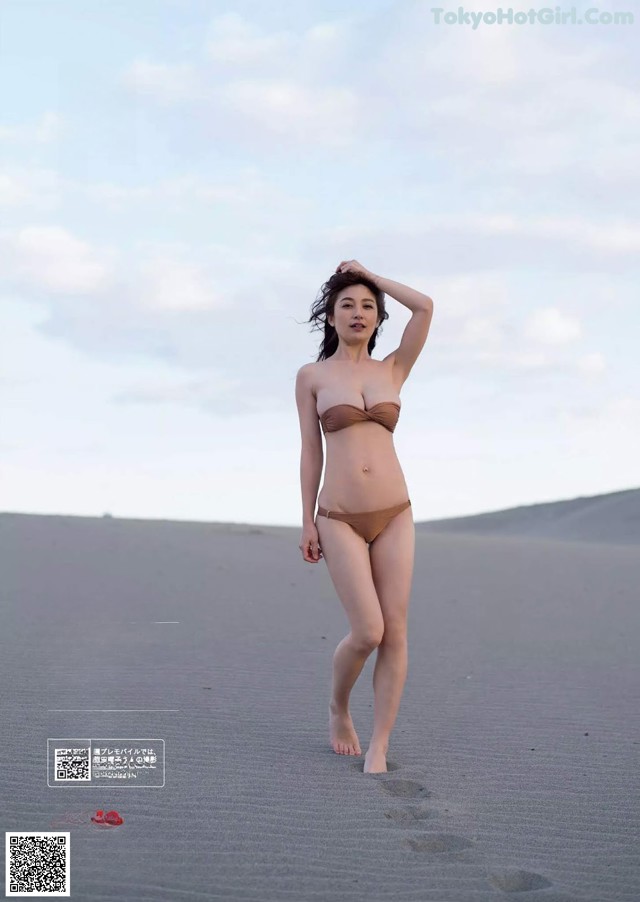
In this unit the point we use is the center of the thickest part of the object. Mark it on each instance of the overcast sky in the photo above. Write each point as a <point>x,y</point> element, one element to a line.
<point>179,177</point>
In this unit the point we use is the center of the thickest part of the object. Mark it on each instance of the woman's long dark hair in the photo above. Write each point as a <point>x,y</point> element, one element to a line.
<point>325,303</point>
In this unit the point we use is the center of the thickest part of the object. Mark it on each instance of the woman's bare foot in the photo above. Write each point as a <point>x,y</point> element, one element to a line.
<point>375,761</point>
<point>343,736</point>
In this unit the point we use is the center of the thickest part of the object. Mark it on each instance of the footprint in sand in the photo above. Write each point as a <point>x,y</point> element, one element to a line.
<point>439,842</point>
<point>514,880</point>
<point>391,765</point>
<point>407,817</point>
<point>432,842</point>
<point>510,880</point>
<point>405,789</point>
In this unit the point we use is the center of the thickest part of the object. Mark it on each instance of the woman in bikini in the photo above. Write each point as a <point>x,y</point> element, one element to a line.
<point>364,528</point>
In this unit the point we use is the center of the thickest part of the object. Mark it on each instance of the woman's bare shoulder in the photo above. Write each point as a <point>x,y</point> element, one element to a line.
<point>312,371</point>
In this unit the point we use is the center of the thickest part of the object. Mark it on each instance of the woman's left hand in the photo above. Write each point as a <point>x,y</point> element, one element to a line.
<point>354,266</point>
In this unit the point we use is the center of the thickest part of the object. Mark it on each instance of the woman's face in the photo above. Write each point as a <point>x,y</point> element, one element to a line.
<point>355,304</point>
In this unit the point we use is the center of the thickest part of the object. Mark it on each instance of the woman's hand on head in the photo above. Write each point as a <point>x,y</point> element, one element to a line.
<point>353,266</point>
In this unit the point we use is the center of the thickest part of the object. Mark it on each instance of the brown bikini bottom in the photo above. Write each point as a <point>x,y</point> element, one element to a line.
<point>367,524</point>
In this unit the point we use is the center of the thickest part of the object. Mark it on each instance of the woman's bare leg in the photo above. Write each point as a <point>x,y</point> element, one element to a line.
<point>389,677</point>
<point>346,555</point>
<point>392,557</point>
<point>348,661</point>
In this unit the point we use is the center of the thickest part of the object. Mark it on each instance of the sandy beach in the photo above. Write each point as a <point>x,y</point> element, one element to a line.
<point>513,767</point>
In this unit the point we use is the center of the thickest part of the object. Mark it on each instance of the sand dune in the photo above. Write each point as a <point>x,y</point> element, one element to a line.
<point>613,518</point>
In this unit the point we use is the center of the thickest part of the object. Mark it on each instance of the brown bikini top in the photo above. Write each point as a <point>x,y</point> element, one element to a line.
<point>342,415</point>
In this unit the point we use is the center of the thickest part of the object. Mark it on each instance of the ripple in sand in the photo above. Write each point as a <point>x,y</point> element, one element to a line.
<point>81,818</point>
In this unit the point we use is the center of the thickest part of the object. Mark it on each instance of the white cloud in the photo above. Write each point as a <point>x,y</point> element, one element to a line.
<point>46,131</point>
<point>34,187</point>
<point>625,409</point>
<point>527,360</point>
<point>606,421</point>
<point>169,284</point>
<point>233,39</point>
<point>246,193</point>
<point>286,108</point>
<point>469,307</point>
<point>551,326</point>
<point>593,364</point>
<point>166,84</point>
<point>462,243</point>
<point>483,332</point>
<point>51,258</point>
<point>502,103</point>
<point>50,128</point>
<point>279,83</point>
<point>184,392</point>
<point>113,197</point>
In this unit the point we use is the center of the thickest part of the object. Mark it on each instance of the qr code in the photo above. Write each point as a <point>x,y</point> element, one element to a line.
<point>37,864</point>
<point>72,764</point>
